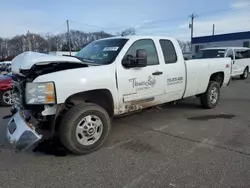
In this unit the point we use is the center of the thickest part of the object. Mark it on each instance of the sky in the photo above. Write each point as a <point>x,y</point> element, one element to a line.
<point>148,17</point>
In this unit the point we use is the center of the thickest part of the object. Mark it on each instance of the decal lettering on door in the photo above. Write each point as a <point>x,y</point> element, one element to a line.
<point>142,85</point>
<point>175,80</point>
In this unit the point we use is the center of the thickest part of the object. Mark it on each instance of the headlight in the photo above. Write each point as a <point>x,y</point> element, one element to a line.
<point>40,93</point>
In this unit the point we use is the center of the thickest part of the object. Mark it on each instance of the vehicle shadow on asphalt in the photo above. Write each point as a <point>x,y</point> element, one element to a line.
<point>54,147</point>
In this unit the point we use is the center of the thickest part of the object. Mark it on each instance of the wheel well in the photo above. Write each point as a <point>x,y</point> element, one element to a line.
<point>217,77</point>
<point>247,68</point>
<point>102,97</point>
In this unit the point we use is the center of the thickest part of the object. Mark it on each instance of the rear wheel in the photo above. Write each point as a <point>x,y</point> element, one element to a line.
<point>245,74</point>
<point>84,128</point>
<point>210,98</point>
<point>6,98</point>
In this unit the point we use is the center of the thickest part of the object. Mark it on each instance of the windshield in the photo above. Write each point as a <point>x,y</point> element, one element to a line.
<point>102,51</point>
<point>211,53</point>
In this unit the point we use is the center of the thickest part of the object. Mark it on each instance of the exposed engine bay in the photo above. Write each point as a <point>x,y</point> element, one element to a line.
<point>37,70</point>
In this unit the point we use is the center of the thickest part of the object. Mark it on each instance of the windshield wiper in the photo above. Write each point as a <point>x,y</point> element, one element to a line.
<point>84,60</point>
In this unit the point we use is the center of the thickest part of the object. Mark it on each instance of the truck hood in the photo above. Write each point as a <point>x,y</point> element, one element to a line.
<point>27,60</point>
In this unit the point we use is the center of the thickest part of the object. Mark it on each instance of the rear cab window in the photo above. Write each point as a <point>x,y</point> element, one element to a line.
<point>168,51</point>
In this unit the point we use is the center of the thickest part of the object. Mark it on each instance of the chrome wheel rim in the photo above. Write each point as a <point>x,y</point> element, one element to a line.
<point>214,95</point>
<point>89,130</point>
<point>7,97</point>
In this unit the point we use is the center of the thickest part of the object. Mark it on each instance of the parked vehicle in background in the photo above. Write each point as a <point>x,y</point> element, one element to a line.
<point>78,96</point>
<point>188,55</point>
<point>240,57</point>
<point>6,90</point>
<point>5,67</point>
<point>62,53</point>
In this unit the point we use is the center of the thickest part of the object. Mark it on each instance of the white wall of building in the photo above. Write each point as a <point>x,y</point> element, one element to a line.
<point>234,43</point>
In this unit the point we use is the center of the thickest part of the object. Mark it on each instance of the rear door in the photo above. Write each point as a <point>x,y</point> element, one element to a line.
<point>174,70</point>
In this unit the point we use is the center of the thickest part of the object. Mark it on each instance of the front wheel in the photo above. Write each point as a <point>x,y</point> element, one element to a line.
<point>210,98</point>
<point>84,128</point>
<point>6,98</point>
<point>245,74</point>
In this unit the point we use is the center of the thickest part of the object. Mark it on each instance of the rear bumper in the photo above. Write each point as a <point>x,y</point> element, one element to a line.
<point>21,134</point>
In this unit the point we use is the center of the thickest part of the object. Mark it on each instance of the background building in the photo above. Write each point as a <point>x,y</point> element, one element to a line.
<point>241,39</point>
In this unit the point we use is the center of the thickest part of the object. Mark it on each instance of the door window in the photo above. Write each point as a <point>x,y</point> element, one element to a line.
<point>149,46</point>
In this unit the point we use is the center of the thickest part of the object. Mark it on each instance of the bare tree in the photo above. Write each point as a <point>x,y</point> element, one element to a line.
<point>185,46</point>
<point>39,44</point>
<point>80,39</point>
<point>17,45</point>
<point>130,31</point>
<point>3,50</point>
<point>44,44</point>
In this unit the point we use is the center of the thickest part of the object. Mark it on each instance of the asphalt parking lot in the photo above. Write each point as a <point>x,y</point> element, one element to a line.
<point>177,146</point>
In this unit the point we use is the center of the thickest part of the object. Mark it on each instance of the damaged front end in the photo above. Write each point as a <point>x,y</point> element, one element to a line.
<point>26,126</point>
<point>29,122</point>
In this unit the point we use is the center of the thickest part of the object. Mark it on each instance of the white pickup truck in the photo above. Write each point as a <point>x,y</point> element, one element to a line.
<point>240,57</point>
<point>77,97</point>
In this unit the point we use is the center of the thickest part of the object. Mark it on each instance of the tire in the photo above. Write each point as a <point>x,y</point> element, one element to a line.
<point>245,74</point>
<point>68,128</point>
<point>205,98</point>
<point>3,100</point>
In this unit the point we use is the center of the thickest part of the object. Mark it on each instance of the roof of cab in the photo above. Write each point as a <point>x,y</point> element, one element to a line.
<point>138,37</point>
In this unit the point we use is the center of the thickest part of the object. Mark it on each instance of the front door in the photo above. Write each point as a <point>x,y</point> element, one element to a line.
<point>140,87</point>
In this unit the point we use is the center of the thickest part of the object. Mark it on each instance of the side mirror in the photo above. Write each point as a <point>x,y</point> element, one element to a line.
<point>141,58</point>
<point>139,61</point>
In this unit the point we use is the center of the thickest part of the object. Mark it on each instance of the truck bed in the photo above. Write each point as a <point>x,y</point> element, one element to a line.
<point>198,74</point>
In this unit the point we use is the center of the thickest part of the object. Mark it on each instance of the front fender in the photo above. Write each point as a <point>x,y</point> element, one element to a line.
<point>70,82</point>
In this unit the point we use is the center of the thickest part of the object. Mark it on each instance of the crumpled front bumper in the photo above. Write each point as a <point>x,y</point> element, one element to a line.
<point>20,133</point>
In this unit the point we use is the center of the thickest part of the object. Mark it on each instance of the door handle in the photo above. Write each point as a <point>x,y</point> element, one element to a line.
<point>157,73</point>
